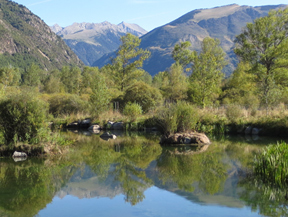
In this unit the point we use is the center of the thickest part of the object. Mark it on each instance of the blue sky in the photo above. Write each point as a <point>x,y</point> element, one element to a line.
<point>149,14</point>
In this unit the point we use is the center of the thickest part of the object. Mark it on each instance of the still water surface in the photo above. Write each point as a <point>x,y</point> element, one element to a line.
<point>134,176</point>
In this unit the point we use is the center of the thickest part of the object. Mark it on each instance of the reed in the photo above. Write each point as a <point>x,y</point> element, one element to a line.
<point>271,165</point>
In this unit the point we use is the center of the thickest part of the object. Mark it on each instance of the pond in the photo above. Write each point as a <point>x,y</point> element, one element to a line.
<point>134,176</point>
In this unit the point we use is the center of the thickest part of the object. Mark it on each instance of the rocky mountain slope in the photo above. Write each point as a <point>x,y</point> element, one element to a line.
<point>223,23</point>
<point>90,41</point>
<point>26,39</point>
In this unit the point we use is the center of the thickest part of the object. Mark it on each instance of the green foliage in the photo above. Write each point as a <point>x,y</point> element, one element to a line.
<point>31,76</point>
<point>272,165</point>
<point>132,110</point>
<point>264,44</point>
<point>181,54</point>
<point>174,87</point>
<point>146,96</point>
<point>71,79</point>
<point>52,83</point>
<point>100,97</point>
<point>128,62</point>
<point>233,113</point>
<point>207,75</point>
<point>9,76</point>
<point>241,87</point>
<point>66,104</point>
<point>177,117</point>
<point>22,116</point>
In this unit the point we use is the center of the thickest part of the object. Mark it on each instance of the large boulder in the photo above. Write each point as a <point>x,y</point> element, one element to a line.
<point>192,138</point>
<point>118,126</point>
<point>19,156</point>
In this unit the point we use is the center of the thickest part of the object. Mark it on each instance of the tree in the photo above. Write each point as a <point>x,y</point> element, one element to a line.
<point>100,97</point>
<point>240,88</point>
<point>264,44</point>
<point>31,76</point>
<point>207,75</point>
<point>182,54</point>
<point>9,76</point>
<point>129,60</point>
<point>176,85</point>
<point>146,96</point>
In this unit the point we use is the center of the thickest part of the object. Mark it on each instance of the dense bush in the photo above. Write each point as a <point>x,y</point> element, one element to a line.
<point>66,104</point>
<point>146,96</point>
<point>22,117</point>
<point>132,110</point>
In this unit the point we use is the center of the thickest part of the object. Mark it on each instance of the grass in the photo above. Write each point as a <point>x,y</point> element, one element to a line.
<point>272,165</point>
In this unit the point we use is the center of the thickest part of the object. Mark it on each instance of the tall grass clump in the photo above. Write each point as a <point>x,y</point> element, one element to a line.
<point>272,165</point>
<point>177,117</point>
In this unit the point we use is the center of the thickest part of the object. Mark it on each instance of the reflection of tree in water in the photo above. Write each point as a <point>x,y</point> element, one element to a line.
<point>268,200</point>
<point>206,169</point>
<point>132,156</point>
<point>27,187</point>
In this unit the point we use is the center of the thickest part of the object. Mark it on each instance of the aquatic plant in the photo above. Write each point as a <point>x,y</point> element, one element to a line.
<point>272,164</point>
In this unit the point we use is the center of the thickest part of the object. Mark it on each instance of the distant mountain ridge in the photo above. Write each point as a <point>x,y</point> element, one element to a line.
<point>90,41</point>
<point>26,39</point>
<point>223,23</point>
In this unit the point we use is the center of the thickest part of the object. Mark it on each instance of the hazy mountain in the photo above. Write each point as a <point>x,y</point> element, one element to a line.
<point>90,41</point>
<point>223,23</point>
<point>26,39</point>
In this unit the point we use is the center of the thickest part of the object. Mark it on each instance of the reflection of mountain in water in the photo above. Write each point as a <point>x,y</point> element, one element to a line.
<point>86,184</point>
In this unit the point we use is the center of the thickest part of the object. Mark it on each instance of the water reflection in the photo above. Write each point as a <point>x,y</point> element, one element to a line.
<point>129,166</point>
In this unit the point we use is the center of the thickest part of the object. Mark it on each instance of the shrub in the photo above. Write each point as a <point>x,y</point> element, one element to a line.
<point>22,117</point>
<point>233,113</point>
<point>177,117</point>
<point>66,104</point>
<point>146,96</point>
<point>132,110</point>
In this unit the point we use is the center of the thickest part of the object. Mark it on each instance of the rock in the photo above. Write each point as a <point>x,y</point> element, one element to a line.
<point>107,136</point>
<point>186,138</point>
<point>248,130</point>
<point>94,127</point>
<point>255,131</point>
<point>118,126</point>
<point>17,154</point>
<point>85,123</point>
<point>73,125</point>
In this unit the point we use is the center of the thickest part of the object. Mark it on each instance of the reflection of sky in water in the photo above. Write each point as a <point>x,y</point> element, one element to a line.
<point>157,203</point>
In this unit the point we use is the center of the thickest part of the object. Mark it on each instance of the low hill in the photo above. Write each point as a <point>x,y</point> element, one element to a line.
<point>26,39</point>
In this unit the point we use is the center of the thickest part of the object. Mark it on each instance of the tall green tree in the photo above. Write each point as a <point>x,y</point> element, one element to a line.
<point>100,97</point>
<point>31,76</point>
<point>264,44</point>
<point>9,76</point>
<point>71,79</point>
<point>240,87</point>
<point>207,75</point>
<point>182,54</point>
<point>129,60</point>
<point>177,84</point>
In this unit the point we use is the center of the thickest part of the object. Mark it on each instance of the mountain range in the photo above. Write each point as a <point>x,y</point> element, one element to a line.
<point>223,23</point>
<point>90,41</point>
<point>26,39</point>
